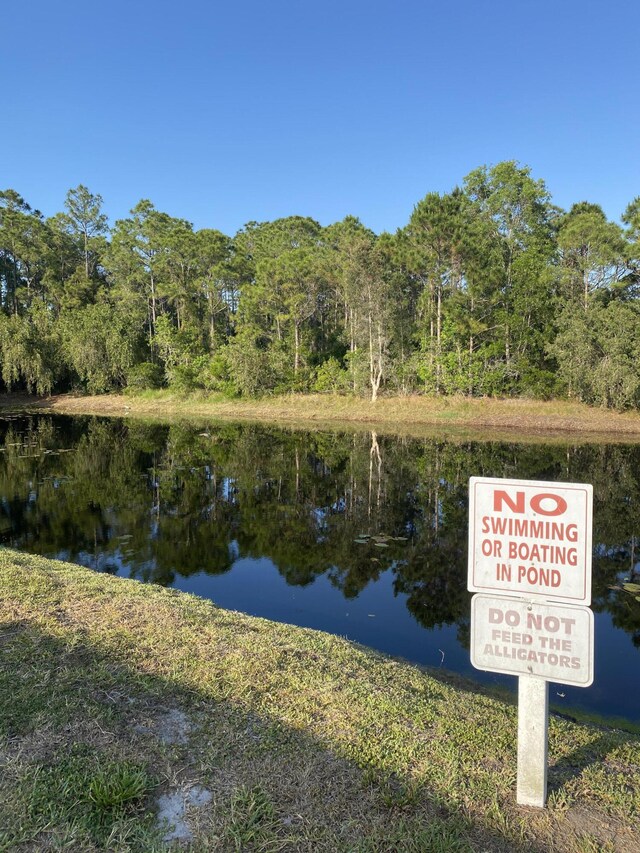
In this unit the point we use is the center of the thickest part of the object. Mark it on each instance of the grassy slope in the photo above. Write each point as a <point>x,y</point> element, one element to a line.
<point>113,693</point>
<point>508,418</point>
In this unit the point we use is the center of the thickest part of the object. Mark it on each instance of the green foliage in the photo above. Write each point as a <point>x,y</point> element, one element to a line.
<point>29,346</point>
<point>214,373</point>
<point>181,350</point>
<point>145,376</point>
<point>255,367</point>
<point>331,376</point>
<point>598,353</point>
<point>186,377</point>
<point>357,366</point>
<point>87,225</point>
<point>471,297</point>
<point>100,344</point>
<point>592,251</point>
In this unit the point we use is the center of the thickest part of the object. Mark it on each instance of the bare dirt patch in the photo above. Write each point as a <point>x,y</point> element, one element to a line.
<point>175,811</point>
<point>170,727</point>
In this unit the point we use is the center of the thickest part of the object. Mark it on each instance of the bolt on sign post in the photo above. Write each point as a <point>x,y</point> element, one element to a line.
<point>530,565</point>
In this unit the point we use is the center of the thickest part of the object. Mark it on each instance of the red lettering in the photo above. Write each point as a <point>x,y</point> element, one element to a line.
<point>560,504</point>
<point>500,497</point>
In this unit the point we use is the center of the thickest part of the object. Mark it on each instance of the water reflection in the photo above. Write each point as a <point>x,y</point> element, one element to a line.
<point>349,522</point>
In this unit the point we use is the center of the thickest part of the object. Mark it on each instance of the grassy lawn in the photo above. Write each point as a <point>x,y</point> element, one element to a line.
<point>508,419</point>
<point>121,701</point>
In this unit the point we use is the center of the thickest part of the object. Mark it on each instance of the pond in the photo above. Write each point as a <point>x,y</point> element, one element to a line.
<point>362,535</point>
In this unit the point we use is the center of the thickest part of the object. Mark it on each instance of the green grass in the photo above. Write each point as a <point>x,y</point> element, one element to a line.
<point>78,799</point>
<point>253,819</point>
<point>114,694</point>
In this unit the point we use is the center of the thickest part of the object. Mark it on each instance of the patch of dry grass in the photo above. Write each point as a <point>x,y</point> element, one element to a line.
<point>507,419</point>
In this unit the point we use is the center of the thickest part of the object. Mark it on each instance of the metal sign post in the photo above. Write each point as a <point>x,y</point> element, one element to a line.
<point>530,563</point>
<point>533,726</point>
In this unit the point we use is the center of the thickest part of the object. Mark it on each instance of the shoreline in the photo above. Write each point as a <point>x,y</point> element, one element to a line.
<point>506,419</point>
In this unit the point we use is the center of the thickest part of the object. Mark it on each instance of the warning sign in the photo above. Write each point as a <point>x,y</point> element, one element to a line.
<point>517,637</point>
<point>530,538</point>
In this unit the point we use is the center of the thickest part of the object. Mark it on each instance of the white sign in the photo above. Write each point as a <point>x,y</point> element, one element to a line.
<point>530,538</point>
<point>549,641</point>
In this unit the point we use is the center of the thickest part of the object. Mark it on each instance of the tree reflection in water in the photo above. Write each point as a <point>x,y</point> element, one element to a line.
<point>160,503</point>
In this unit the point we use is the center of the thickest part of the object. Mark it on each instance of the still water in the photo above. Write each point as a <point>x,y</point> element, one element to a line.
<point>362,535</point>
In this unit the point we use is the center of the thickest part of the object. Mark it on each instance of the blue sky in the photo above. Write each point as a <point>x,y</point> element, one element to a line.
<point>223,113</point>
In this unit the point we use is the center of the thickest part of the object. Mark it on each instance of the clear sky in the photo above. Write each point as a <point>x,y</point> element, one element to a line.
<point>224,113</point>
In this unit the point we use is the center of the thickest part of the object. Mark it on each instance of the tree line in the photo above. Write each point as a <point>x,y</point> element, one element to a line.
<point>490,289</point>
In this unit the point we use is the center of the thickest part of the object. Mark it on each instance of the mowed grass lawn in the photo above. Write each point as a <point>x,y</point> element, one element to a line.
<point>120,701</point>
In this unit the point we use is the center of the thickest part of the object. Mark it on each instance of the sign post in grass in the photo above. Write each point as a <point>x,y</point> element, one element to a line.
<point>530,567</point>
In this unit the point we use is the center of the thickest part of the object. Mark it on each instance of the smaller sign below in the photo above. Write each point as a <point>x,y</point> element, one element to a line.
<point>550,641</point>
